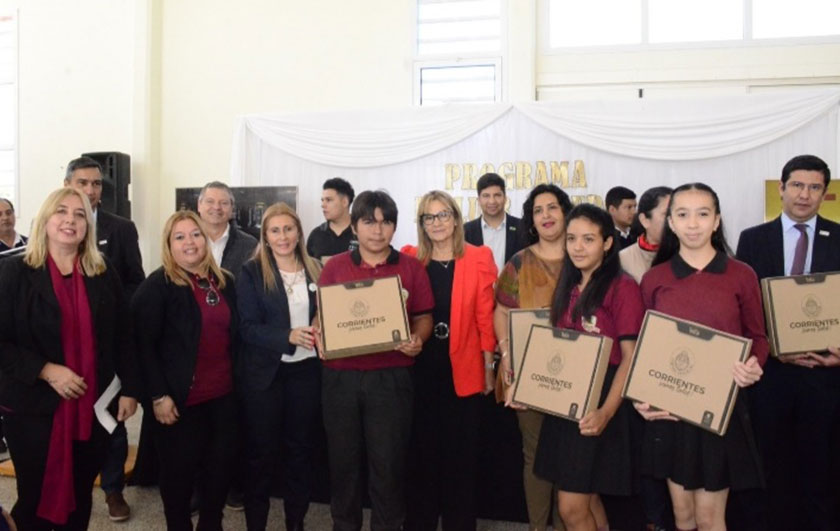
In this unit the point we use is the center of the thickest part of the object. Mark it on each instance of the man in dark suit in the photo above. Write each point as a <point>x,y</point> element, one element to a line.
<point>797,401</point>
<point>231,247</point>
<point>494,228</point>
<point>117,239</point>
<point>621,204</point>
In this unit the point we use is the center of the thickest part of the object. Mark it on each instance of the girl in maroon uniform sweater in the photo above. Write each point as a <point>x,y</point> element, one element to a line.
<point>593,295</point>
<point>694,278</point>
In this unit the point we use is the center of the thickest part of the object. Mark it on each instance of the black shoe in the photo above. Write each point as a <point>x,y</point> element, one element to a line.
<point>235,500</point>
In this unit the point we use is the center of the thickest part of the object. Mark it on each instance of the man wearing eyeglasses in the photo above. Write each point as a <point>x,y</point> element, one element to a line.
<point>494,228</point>
<point>231,247</point>
<point>117,239</point>
<point>797,401</point>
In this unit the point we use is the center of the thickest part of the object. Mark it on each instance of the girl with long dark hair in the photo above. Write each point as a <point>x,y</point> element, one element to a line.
<point>594,296</point>
<point>694,278</point>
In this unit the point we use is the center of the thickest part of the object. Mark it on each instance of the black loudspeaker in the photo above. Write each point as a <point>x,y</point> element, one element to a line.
<point>116,176</point>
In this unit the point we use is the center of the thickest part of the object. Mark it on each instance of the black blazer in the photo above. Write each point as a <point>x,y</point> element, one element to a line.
<point>240,247</point>
<point>762,247</point>
<point>117,239</point>
<point>30,336</point>
<point>168,332</point>
<point>513,239</point>
<point>265,325</point>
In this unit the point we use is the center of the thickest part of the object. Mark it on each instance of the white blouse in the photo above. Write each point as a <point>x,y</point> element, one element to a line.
<point>298,311</point>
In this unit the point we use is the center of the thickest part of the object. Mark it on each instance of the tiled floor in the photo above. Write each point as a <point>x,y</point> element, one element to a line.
<point>147,510</point>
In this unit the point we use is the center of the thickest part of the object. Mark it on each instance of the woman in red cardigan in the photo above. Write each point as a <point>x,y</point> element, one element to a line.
<point>454,369</point>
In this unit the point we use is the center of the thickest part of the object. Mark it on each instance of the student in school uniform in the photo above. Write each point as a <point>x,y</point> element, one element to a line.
<point>694,278</point>
<point>636,260</point>
<point>593,295</point>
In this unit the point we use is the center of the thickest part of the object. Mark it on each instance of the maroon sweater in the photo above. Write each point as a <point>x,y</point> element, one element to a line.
<point>213,375</point>
<point>724,295</point>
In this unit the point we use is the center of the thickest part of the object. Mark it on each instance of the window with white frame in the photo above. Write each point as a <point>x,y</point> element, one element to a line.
<point>583,23</point>
<point>8,105</point>
<point>458,51</point>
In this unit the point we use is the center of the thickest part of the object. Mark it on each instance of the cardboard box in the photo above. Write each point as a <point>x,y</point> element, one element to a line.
<point>519,327</point>
<point>802,312</point>
<point>562,372</point>
<point>362,317</point>
<point>686,369</point>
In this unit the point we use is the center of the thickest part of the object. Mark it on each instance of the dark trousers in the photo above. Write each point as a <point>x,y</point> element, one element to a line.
<point>113,470</point>
<point>28,438</point>
<point>367,413</point>
<point>443,459</point>
<point>285,416</point>
<point>794,409</point>
<point>203,443</point>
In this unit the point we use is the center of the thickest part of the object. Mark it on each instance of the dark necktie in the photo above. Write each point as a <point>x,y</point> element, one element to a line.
<point>801,252</point>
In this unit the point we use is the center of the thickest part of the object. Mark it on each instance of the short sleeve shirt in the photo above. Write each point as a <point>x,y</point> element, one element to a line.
<point>619,317</point>
<point>323,241</point>
<point>349,267</point>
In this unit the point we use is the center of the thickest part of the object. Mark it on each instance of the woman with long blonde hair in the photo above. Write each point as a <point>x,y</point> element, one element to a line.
<point>281,372</point>
<point>188,339</point>
<point>452,372</point>
<point>65,332</point>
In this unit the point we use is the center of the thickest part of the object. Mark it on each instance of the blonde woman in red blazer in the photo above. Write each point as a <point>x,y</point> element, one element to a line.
<point>453,370</point>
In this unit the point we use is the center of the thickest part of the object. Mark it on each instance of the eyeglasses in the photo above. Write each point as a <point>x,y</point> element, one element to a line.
<point>443,216</point>
<point>212,297</point>
<point>814,188</point>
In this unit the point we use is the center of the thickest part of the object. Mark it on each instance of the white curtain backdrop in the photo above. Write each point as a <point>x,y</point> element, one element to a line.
<point>732,143</point>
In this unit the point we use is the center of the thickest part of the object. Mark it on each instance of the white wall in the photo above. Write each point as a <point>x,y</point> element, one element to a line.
<point>164,81</point>
<point>679,70</point>
<point>75,88</point>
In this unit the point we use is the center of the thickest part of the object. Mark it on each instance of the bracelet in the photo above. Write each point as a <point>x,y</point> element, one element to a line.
<point>158,400</point>
<point>489,364</point>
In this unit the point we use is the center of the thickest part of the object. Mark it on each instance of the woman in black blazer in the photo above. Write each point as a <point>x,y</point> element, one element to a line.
<point>281,378</point>
<point>65,332</point>
<point>187,340</point>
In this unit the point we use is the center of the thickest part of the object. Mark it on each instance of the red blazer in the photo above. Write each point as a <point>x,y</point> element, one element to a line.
<point>471,316</point>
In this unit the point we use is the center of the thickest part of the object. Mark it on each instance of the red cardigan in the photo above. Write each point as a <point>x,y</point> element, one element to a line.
<point>471,316</point>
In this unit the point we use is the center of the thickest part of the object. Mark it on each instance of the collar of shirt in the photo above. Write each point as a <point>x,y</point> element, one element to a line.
<point>789,224</point>
<point>624,233</point>
<point>18,240</point>
<point>218,247</point>
<point>356,256</point>
<point>501,227</point>
<point>681,269</point>
<point>325,226</point>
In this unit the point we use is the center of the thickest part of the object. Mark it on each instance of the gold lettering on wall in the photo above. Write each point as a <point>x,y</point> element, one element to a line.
<point>580,175</point>
<point>507,171</point>
<point>518,175</point>
<point>523,175</point>
<point>453,174</point>
<point>470,180</point>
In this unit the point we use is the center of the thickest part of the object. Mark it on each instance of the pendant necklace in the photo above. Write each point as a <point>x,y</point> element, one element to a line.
<point>290,286</point>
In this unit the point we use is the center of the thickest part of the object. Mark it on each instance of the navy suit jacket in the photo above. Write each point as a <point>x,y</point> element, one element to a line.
<point>513,236</point>
<point>762,248</point>
<point>265,324</point>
